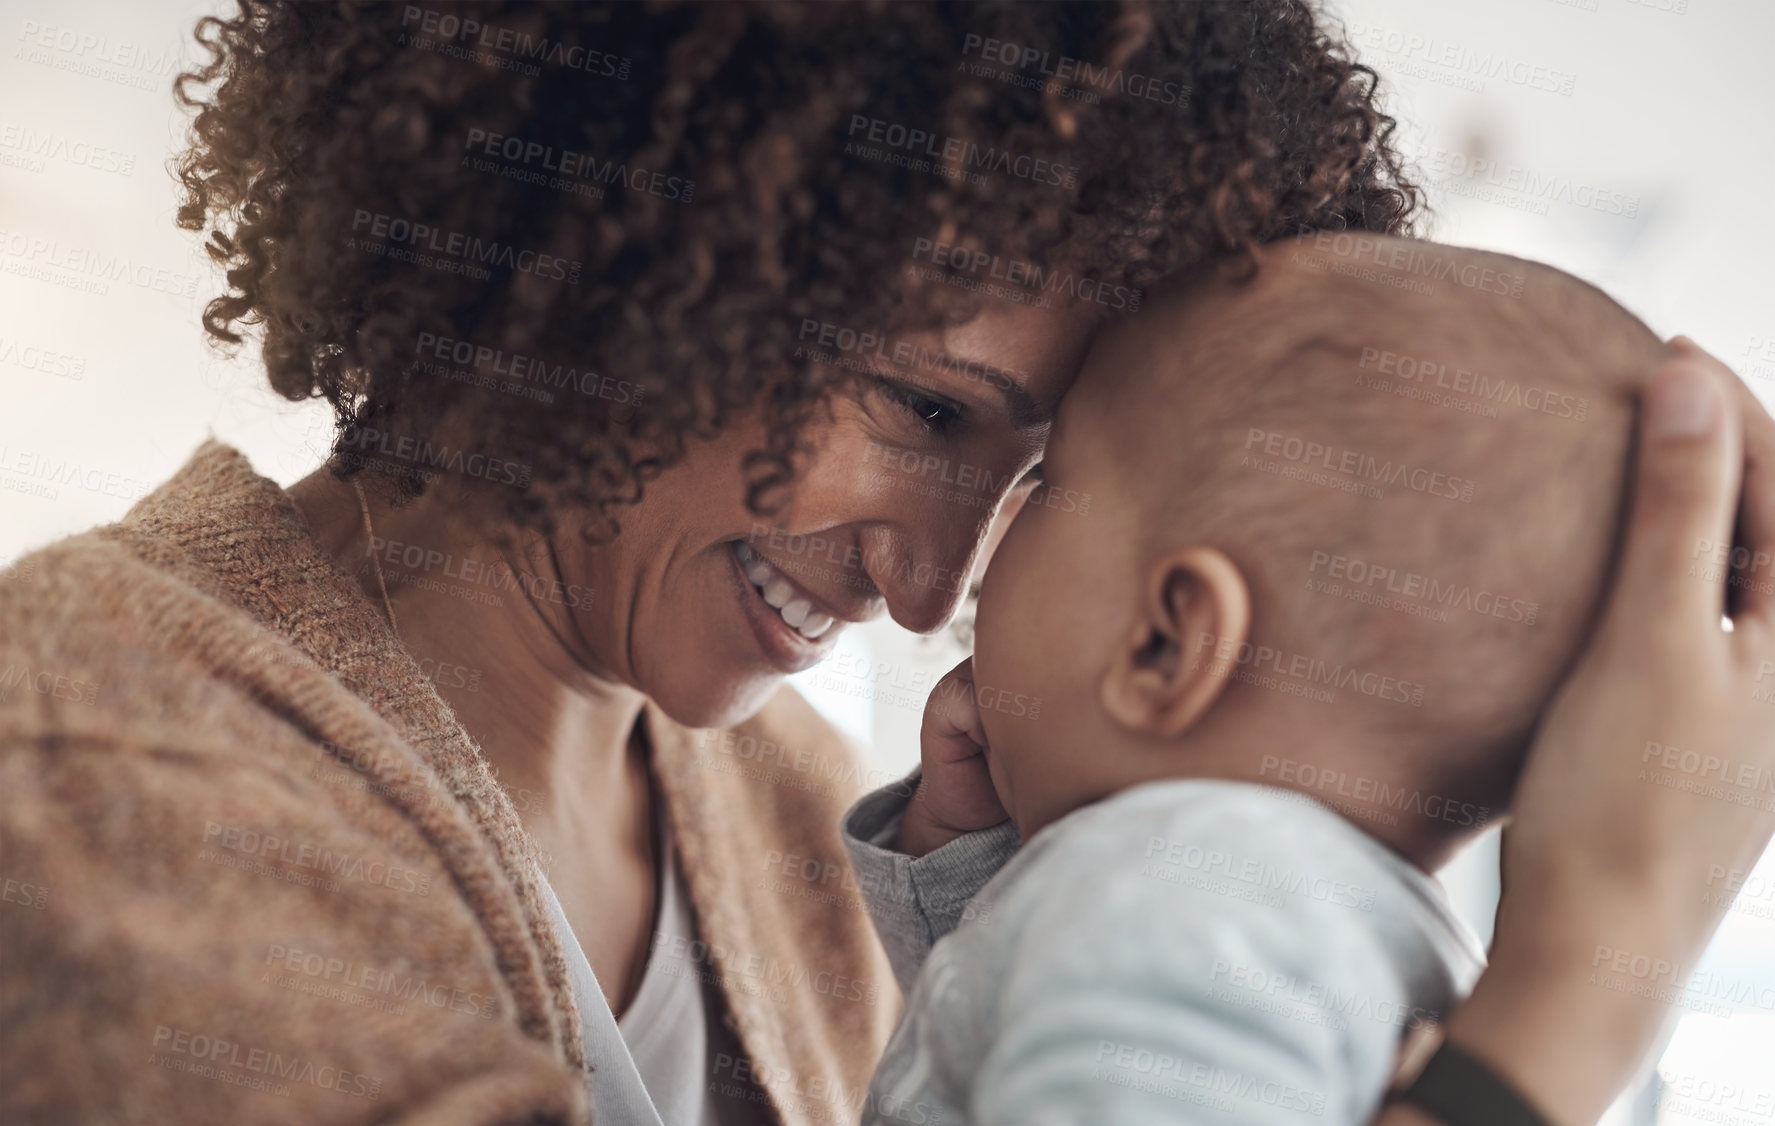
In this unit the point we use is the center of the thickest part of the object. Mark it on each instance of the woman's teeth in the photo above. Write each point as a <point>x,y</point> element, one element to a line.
<point>780,596</point>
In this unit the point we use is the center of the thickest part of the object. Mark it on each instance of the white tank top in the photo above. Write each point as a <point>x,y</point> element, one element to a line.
<point>665,1026</point>
<point>652,1066</point>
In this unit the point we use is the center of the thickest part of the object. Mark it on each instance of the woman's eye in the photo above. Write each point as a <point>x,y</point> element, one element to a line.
<point>934,415</point>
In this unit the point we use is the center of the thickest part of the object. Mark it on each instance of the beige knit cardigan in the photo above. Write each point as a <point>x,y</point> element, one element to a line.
<point>255,871</point>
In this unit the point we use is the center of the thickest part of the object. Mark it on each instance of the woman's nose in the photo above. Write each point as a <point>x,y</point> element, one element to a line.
<point>923,569</point>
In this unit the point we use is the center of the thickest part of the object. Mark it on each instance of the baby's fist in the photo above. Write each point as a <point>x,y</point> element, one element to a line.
<point>956,794</point>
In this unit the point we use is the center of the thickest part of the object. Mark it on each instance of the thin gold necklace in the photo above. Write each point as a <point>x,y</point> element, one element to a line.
<point>370,535</point>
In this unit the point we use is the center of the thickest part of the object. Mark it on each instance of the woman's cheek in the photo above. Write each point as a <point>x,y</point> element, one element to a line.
<point>1001,524</point>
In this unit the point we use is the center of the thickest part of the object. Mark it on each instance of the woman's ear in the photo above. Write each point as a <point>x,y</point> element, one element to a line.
<point>1194,615</point>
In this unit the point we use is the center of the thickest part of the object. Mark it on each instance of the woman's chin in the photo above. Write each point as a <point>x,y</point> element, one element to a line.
<point>723,705</point>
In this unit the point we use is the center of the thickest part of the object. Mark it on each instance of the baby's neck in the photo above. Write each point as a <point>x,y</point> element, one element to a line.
<point>1425,820</point>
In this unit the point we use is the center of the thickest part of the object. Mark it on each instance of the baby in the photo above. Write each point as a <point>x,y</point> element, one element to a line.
<point>1352,518</point>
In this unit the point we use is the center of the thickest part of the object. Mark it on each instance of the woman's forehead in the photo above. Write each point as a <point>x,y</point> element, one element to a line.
<point>1041,349</point>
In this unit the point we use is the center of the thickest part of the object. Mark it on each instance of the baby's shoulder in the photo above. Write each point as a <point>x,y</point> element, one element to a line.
<point>1198,822</point>
<point>1168,887</point>
<point>1174,846</point>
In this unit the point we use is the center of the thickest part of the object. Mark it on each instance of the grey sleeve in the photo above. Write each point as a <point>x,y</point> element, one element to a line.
<point>915,901</point>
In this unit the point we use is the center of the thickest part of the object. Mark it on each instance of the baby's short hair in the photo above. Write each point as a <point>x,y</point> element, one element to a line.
<point>1416,454</point>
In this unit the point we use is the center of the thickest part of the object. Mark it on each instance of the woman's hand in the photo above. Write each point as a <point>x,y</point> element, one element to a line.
<point>1649,783</point>
<point>955,795</point>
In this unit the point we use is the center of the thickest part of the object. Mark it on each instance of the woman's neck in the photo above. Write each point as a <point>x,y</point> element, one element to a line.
<point>557,736</point>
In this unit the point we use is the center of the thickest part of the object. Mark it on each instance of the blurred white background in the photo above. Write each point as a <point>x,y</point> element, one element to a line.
<point>1631,142</point>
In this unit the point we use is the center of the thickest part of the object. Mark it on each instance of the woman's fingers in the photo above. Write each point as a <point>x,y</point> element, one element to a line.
<point>1753,587</point>
<point>1750,595</point>
<point>1644,798</point>
<point>1685,497</point>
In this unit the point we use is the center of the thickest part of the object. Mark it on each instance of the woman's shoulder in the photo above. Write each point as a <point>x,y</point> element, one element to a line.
<point>110,637</point>
<point>227,858</point>
<point>81,645</point>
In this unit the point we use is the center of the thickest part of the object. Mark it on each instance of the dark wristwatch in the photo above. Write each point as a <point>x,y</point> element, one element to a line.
<point>1457,1089</point>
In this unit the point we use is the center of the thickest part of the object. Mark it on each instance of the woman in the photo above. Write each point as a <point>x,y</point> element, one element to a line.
<point>458,783</point>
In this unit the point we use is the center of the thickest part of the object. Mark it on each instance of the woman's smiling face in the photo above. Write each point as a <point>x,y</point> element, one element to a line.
<point>705,607</point>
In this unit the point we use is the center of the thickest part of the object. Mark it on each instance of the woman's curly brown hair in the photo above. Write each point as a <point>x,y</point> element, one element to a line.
<point>664,194</point>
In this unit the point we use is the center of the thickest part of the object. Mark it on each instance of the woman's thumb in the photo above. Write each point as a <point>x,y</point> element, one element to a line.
<point>1685,497</point>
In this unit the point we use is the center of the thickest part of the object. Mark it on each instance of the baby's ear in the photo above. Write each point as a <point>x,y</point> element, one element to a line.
<point>1193,617</point>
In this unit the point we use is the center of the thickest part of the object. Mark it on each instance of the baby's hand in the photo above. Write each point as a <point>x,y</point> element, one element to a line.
<point>956,794</point>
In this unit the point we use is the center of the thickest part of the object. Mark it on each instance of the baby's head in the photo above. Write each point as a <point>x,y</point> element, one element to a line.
<point>1344,535</point>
